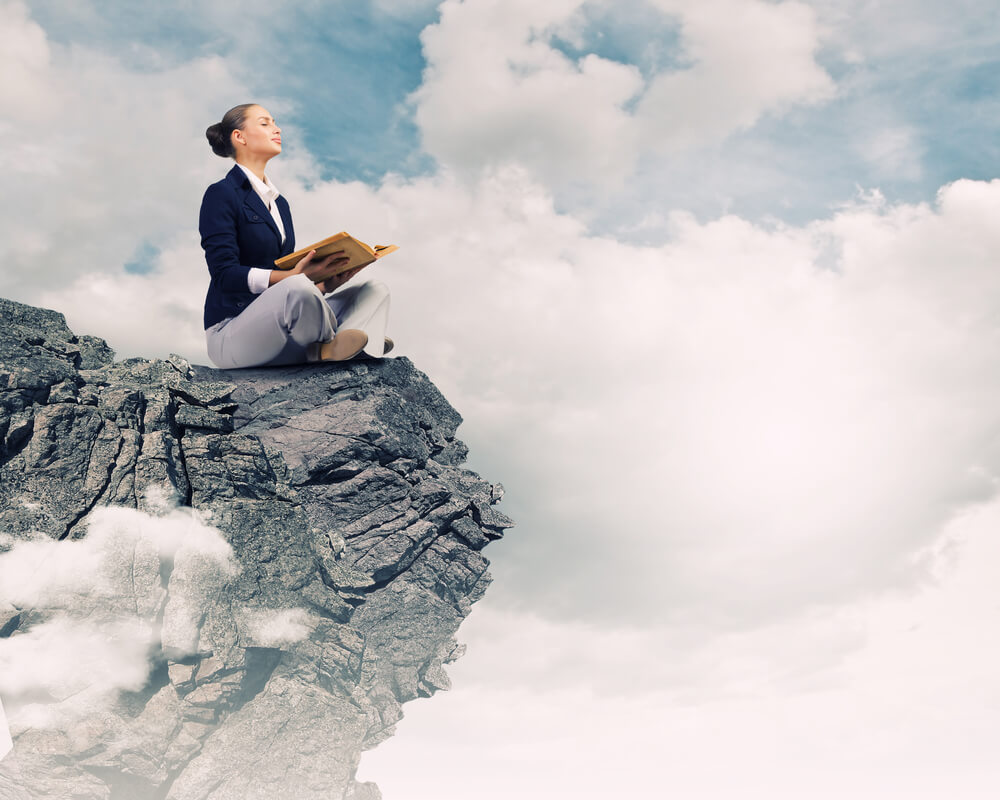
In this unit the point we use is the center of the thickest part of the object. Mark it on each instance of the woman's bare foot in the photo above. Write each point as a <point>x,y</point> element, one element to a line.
<point>346,344</point>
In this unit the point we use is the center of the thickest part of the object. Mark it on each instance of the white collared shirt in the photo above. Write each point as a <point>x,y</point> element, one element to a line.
<point>258,277</point>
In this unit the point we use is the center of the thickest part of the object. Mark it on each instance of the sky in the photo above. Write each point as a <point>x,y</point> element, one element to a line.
<point>714,287</point>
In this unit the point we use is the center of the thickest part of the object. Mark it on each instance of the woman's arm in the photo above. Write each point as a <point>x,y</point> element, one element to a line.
<point>217,223</point>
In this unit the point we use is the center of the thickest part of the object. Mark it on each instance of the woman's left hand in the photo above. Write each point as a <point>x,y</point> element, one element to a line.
<point>335,282</point>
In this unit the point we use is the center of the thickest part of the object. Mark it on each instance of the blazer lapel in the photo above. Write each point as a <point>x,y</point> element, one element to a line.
<point>286,221</point>
<point>252,199</point>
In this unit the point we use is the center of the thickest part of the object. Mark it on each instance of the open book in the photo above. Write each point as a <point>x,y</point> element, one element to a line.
<point>358,252</point>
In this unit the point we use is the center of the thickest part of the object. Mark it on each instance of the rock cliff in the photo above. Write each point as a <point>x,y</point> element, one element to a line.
<point>292,551</point>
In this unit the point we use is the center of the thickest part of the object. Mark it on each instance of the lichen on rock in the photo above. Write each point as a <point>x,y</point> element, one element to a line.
<point>291,549</point>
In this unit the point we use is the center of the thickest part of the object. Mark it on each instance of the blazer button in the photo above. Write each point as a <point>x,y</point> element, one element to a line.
<point>255,218</point>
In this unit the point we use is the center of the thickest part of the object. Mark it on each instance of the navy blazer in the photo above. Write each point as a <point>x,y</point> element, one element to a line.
<point>237,233</point>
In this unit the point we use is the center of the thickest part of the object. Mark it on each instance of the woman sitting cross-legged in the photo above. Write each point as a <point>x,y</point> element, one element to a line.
<point>256,315</point>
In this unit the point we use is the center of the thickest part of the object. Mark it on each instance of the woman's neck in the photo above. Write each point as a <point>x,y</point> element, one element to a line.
<point>255,165</point>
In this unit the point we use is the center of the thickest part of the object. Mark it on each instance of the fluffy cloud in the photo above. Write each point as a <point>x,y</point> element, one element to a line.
<point>497,90</point>
<point>749,58</point>
<point>155,313</point>
<point>858,701</point>
<point>92,606</point>
<point>92,148</point>
<point>66,669</point>
<point>6,743</point>
<point>275,628</point>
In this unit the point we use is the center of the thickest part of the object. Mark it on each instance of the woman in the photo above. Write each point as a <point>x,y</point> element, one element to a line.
<point>256,315</point>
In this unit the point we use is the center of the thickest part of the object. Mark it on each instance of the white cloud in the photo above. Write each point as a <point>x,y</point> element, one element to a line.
<point>93,148</point>
<point>893,150</point>
<point>6,743</point>
<point>496,90</point>
<point>91,608</point>
<point>86,574</point>
<point>156,313</point>
<point>749,58</point>
<point>268,628</point>
<point>903,28</point>
<point>65,669</point>
<point>27,55</point>
<point>888,696</point>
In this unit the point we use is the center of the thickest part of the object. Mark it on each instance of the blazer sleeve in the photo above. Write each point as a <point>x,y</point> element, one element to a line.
<point>217,224</point>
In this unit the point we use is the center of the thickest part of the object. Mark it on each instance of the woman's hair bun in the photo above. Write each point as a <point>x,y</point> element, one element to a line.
<point>220,134</point>
<point>221,145</point>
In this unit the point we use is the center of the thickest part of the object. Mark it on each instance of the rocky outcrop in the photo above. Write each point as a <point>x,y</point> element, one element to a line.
<point>352,553</point>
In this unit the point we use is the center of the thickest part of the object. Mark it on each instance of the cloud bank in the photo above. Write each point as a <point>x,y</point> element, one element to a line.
<point>860,700</point>
<point>497,90</point>
<point>92,610</point>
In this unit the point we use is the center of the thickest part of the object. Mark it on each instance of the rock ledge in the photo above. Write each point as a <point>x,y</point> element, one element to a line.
<point>351,555</point>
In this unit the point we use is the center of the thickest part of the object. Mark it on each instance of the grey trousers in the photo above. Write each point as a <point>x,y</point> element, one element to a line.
<point>287,322</point>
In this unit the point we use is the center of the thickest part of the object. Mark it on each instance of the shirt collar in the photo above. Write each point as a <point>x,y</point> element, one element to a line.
<point>266,190</point>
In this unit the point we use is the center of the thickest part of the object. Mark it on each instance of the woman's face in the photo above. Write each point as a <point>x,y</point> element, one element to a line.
<point>260,135</point>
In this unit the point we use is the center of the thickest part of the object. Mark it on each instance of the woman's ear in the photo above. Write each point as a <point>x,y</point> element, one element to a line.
<point>238,138</point>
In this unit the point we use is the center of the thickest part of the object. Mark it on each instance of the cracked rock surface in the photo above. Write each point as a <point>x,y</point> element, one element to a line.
<point>349,525</point>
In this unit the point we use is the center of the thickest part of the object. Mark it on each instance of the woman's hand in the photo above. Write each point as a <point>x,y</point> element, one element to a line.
<point>319,271</point>
<point>316,271</point>
<point>335,282</point>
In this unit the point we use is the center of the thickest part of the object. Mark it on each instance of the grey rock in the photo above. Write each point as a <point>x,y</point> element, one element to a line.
<point>197,417</point>
<point>352,539</point>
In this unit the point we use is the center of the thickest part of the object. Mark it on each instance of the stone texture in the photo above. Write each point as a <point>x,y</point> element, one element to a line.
<point>340,491</point>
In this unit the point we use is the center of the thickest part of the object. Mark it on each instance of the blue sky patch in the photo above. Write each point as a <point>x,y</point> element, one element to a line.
<point>143,260</point>
<point>629,33</point>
